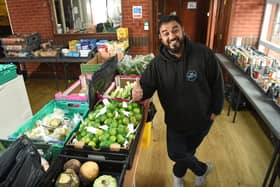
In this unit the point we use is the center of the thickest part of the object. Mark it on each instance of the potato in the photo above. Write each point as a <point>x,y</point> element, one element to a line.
<point>88,172</point>
<point>68,179</point>
<point>72,164</point>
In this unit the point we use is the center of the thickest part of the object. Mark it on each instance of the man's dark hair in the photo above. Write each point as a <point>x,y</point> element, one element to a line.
<point>167,19</point>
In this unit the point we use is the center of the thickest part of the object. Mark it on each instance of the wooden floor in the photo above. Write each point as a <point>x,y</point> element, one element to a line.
<point>240,152</point>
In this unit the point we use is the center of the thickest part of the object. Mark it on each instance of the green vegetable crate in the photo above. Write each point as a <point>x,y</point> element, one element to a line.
<point>70,108</point>
<point>91,66</point>
<point>7,72</point>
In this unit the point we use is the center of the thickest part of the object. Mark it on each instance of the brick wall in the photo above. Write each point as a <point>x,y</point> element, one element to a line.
<point>136,26</point>
<point>29,16</point>
<point>247,20</point>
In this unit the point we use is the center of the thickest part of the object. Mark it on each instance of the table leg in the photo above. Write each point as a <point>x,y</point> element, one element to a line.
<point>268,172</point>
<point>229,107</point>
<point>236,106</point>
<point>55,75</point>
<point>274,174</point>
<point>65,66</point>
<point>230,97</point>
<point>22,69</point>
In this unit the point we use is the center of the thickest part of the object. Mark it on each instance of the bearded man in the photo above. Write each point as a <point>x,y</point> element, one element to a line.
<point>189,83</point>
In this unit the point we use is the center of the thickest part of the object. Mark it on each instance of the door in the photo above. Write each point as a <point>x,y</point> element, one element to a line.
<point>223,24</point>
<point>161,8</point>
<point>157,13</point>
<point>194,17</point>
<point>5,28</point>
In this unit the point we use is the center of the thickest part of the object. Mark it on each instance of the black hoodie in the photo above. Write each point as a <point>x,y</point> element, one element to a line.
<point>190,88</point>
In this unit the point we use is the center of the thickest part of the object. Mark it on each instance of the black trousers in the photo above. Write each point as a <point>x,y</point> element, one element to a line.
<point>181,149</point>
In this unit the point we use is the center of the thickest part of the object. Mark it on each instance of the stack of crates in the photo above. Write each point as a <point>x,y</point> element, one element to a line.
<point>20,45</point>
<point>7,72</point>
<point>70,108</point>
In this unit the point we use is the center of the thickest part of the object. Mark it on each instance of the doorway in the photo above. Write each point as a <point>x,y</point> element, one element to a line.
<point>5,28</point>
<point>193,15</point>
<point>223,24</point>
<point>161,8</point>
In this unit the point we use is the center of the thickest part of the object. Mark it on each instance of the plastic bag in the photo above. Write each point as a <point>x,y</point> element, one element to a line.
<point>8,158</point>
<point>54,170</point>
<point>134,66</point>
<point>20,165</point>
<point>30,173</point>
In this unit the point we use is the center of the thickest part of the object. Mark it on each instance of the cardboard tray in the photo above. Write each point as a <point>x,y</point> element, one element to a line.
<point>114,169</point>
<point>119,81</point>
<point>124,154</point>
<point>77,91</point>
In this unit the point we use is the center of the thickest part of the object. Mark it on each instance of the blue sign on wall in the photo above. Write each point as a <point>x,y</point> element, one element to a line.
<point>137,12</point>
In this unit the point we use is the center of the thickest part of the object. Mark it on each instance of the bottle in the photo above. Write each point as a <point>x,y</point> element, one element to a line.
<point>59,29</point>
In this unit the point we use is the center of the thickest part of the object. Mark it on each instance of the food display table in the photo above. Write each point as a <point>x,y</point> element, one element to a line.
<point>51,61</point>
<point>263,105</point>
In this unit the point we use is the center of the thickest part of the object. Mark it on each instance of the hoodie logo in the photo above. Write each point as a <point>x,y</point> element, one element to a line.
<point>191,75</point>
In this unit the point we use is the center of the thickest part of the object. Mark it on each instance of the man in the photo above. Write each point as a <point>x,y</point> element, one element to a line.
<point>189,83</point>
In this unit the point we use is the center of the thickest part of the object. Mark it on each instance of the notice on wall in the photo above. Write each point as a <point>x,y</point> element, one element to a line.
<point>192,5</point>
<point>137,12</point>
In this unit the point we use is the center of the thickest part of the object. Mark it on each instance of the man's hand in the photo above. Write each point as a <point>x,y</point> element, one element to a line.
<point>137,92</point>
<point>213,116</point>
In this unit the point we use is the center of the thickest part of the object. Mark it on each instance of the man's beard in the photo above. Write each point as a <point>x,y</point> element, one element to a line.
<point>175,45</point>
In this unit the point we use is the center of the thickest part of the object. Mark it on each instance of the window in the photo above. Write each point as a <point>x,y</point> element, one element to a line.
<point>83,15</point>
<point>270,35</point>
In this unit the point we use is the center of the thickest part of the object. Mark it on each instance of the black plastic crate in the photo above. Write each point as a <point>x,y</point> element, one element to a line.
<point>102,155</point>
<point>123,155</point>
<point>114,169</point>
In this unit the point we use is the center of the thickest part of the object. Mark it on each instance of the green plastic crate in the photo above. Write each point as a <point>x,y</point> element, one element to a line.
<point>7,72</point>
<point>71,107</point>
<point>89,68</point>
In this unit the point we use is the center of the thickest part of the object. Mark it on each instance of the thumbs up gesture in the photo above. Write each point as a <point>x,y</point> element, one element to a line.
<point>137,92</point>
